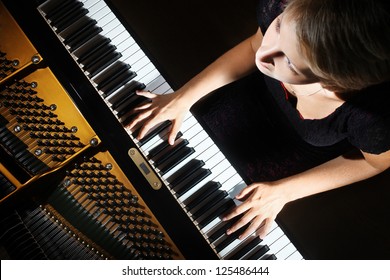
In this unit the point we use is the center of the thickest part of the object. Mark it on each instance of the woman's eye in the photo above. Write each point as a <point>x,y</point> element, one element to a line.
<point>290,66</point>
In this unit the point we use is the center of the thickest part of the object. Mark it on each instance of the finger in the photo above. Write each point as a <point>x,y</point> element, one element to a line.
<point>148,125</point>
<point>265,229</point>
<point>236,211</point>
<point>245,191</point>
<point>252,227</point>
<point>146,93</point>
<point>143,106</point>
<point>173,133</point>
<point>139,118</point>
<point>245,219</point>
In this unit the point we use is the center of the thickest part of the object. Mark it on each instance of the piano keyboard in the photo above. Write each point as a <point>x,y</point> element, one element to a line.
<point>194,169</point>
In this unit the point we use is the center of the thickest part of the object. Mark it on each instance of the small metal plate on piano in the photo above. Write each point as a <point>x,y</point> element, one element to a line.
<point>145,169</point>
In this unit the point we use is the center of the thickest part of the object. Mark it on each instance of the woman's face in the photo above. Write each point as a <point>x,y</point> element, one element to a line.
<point>279,55</point>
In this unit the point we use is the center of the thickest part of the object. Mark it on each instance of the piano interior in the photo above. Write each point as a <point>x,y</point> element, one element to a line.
<point>76,185</point>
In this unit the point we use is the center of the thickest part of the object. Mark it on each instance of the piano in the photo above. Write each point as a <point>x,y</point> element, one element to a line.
<point>114,197</point>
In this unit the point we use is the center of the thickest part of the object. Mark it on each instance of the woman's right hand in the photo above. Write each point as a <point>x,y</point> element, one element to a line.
<point>159,109</point>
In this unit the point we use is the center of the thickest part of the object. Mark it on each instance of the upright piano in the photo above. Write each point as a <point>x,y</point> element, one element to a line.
<point>76,184</point>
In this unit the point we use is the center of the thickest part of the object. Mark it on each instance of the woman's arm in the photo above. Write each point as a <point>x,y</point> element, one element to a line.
<point>263,201</point>
<point>234,64</point>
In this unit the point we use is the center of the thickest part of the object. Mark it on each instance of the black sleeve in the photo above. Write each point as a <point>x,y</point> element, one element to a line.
<point>370,132</point>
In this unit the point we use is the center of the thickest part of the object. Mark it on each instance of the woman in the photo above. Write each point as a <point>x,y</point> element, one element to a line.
<point>326,64</point>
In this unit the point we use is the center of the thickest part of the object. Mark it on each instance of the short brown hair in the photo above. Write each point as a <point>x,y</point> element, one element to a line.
<point>346,42</point>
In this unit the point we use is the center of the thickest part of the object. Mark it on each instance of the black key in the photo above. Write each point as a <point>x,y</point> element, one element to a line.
<point>229,239</point>
<point>208,203</point>
<point>224,207</point>
<point>245,249</point>
<point>90,47</point>
<point>59,8</point>
<point>259,252</point>
<point>102,64</point>
<point>124,94</point>
<point>175,159</point>
<point>201,194</point>
<point>85,36</point>
<point>67,21</point>
<point>169,151</point>
<point>160,147</point>
<point>133,102</point>
<point>121,80</point>
<point>85,26</point>
<point>70,10</point>
<point>111,73</point>
<point>192,181</point>
<point>185,171</point>
<point>270,257</point>
<point>155,132</point>
<point>222,229</point>
<point>98,53</point>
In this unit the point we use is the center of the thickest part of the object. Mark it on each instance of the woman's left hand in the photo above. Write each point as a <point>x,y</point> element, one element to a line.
<point>262,203</point>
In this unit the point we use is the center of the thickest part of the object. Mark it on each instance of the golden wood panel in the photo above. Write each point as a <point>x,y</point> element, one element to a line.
<point>18,50</point>
<point>40,113</point>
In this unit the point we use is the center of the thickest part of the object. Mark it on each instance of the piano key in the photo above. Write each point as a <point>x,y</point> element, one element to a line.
<point>216,211</point>
<point>179,156</point>
<point>123,111</point>
<point>226,244</point>
<point>89,48</point>
<point>169,151</point>
<point>192,181</point>
<point>210,202</point>
<point>121,98</point>
<point>110,74</point>
<point>296,256</point>
<point>117,82</point>
<point>85,29</point>
<point>201,194</point>
<point>259,252</point>
<point>221,228</point>
<point>244,248</point>
<point>68,18</point>
<point>102,50</point>
<point>57,7</point>
<point>286,251</point>
<point>159,129</point>
<point>163,145</point>
<point>181,175</point>
<point>102,64</point>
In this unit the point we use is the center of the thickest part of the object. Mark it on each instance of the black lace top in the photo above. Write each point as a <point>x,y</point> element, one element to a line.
<point>363,120</point>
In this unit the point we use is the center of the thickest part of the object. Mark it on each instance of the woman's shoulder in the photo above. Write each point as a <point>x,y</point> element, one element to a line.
<point>369,119</point>
<point>375,99</point>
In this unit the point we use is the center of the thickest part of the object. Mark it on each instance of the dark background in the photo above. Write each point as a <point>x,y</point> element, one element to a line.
<point>183,37</point>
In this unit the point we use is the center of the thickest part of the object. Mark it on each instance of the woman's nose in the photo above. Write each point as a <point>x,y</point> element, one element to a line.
<point>267,54</point>
<point>269,50</point>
